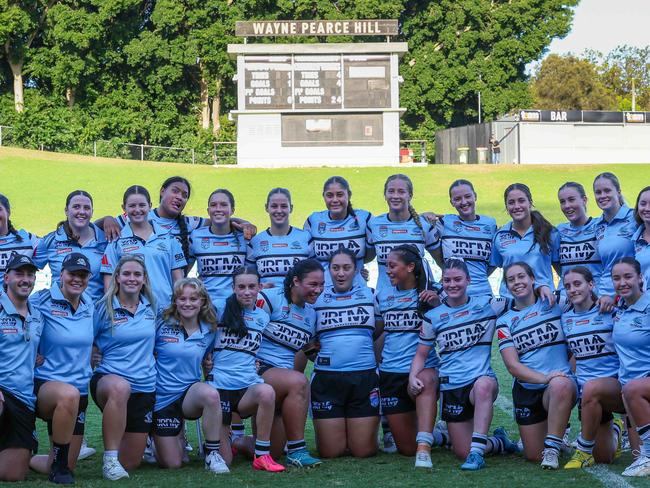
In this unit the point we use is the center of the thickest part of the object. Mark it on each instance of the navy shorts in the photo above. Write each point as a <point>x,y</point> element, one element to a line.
<point>345,394</point>
<point>168,421</point>
<point>17,425</point>
<point>394,393</point>
<point>80,423</point>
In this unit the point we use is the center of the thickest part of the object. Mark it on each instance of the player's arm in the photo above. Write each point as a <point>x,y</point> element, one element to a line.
<point>522,372</point>
<point>417,365</point>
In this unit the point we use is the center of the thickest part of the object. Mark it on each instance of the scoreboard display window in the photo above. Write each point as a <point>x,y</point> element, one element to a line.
<point>350,129</point>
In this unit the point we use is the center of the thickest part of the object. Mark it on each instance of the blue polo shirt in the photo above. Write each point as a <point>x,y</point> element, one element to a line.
<point>642,253</point>
<point>22,242</point>
<point>632,339</point>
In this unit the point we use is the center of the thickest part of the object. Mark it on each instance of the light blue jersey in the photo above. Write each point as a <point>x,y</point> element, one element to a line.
<point>345,323</point>
<point>384,235</point>
<point>126,344</point>
<point>217,257</point>
<point>614,242</point>
<point>21,242</point>
<point>632,339</point>
<point>56,246</point>
<point>642,254</point>
<point>178,359</point>
<point>274,256</point>
<point>463,336</point>
<point>67,338</point>
<point>290,328</point>
<point>509,247</point>
<point>577,246</point>
<point>162,253</point>
<point>233,358</point>
<point>470,241</point>
<point>19,339</point>
<point>589,337</point>
<point>328,235</point>
<point>398,310</point>
<point>536,334</point>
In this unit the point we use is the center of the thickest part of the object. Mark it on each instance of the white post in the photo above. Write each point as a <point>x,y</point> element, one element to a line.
<point>141,152</point>
<point>193,159</point>
<point>479,107</point>
<point>95,148</point>
<point>0,136</point>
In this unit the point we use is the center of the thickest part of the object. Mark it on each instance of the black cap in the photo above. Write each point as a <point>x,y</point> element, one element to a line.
<point>76,262</point>
<point>17,261</point>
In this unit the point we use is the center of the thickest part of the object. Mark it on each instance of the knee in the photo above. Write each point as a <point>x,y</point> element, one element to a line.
<point>484,389</point>
<point>562,388</point>
<point>633,390</point>
<point>266,395</point>
<point>428,379</point>
<point>364,452</point>
<point>130,465</point>
<point>119,391</point>
<point>299,384</point>
<point>211,398</point>
<point>171,463</point>
<point>590,392</point>
<point>68,398</point>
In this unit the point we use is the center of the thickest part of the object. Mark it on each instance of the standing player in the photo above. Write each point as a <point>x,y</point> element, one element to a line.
<point>281,246</point>
<point>345,385</point>
<point>61,381</point>
<point>77,234</point>
<point>527,237</point>
<point>401,225</point>
<point>22,325</point>
<point>163,256</point>
<point>641,237</point>
<point>184,334</point>
<point>534,351</point>
<point>588,333</point>
<point>12,240</point>
<point>463,328</point>
<point>467,236</point>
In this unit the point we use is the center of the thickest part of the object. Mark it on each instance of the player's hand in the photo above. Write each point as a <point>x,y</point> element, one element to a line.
<point>112,229</point>
<point>415,385</point>
<point>268,284</point>
<point>39,360</point>
<point>365,274</point>
<point>555,374</point>
<point>431,217</point>
<point>430,297</point>
<point>95,357</point>
<point>605,304</point>
<point>546,294</point>
<point>247,228</point>
<point>207,364</point>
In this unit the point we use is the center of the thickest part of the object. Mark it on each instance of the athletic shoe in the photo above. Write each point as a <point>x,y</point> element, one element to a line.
<point>619,445</point>
<point>625,441</point>
<point>640,467</point>
<point>508,445</point>
<point>149,455</point>
<point>215,463</point>
<point>423,459</point>
<point>266,463</point>
<point>302,459</point>
<point>441,426</point>
<point>474,462</point>
<point>389,443</point>
<point>113,470</point>
<point>85,451</point>
<point>61,475</point>
<point>579,460</point>
<point>550,459</point>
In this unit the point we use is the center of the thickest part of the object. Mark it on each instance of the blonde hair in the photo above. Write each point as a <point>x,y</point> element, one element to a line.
<point>206,314</point>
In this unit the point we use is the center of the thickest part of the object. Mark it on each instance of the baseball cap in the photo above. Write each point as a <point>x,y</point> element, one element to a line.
<point>76,262</point>
<point>17,261</point>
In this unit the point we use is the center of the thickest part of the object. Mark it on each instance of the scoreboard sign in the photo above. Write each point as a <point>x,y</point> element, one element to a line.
<point>281,28</point>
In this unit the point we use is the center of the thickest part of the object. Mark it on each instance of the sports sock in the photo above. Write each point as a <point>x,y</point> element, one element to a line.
<point>294,446</point>
<point>110,454</point>
<point>644,434</point>
<point>237,431</point>
<point>424,438</point>
<point>584,445</point>
<point>60,452</point>
<point>440,438</point>
<point>210,446</point>
<point>617,433</point>
<point>553,442</point>
<point>479,443</point>
<point>262,447</point>
<point>494,445</point>
<point>385,427</point>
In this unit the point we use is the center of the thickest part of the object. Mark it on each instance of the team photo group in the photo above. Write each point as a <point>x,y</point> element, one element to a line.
<point>160,317</point>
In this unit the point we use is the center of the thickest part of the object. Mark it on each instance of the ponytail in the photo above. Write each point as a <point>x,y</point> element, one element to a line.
<point>183,237</point>
<point>415,216</point>
<point>542,229</point>
<point>409,254</point>
<point>68,231</point>
<point>12,230</point>
<point>233,317</point>
<point>4,201</point>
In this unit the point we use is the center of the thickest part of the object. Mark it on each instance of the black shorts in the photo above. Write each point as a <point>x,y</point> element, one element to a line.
<point>80,423</point>
<point>17,425</point>
<point>139,409</point>
<point>528,404</point>
<point>456,406</point>
<point>230,403</point>
<point>168,421</point>
<point>345,394</point>
<point>263,367</point>
<point>394,393</point>
<point>605,416</point>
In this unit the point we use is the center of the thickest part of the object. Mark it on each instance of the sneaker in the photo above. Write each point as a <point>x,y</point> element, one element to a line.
<point>149,455</point>
<point>625,442</point>
<point>113,470</point>
<point>508,445</point>
<point>550,459</point>
<point>474,462</point>
<point>640,467</point>
<point>619,445</point>
<point>266,463</point>
<point>61,475</point>
<point>85,451</point>
<point>423,459</point>
<point>302,459</point>
<point>215,463</point>
<point>389,446</point>
<point>579,460</point>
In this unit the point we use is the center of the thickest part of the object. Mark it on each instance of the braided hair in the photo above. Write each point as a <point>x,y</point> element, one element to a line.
<point>4,201</point>
<point>233,314</point>
<point>409,185</point>
<point>409,254</point>
<point>299,270</point>
<point>542,228</point>
<point>184,233</point>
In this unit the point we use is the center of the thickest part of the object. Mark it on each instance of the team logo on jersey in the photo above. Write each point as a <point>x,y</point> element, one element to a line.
<point>453,409</point>
<point>284,313</point>
<point>458,226</point>
<point>148,417</point>
<point>322,227</point>
<point>600,232</point>
<point>383,231</point>
<point>488,230</point>
<point>444,318</point>
<point>321,406</point>
<point>327,297</point>
<point>637,322</point>
<point>295,245</point>
<point>162,246</point>
<point>354,225</point>
<point>81,418</point>
<point>205,243</point>
<point>390,300</point>
<point>374,397</point>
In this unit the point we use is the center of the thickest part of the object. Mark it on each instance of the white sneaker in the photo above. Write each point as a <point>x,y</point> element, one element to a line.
<point>640,467</point>
<point>389,444</point>
<point>215,463</point>
<point>550,459</point>
<point>113,470</point>
<point>149,455</point>
<point>423,459</point>
<point>85,451</point>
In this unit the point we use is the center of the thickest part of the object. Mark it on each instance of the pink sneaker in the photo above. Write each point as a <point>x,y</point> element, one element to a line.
<point>266,463</point>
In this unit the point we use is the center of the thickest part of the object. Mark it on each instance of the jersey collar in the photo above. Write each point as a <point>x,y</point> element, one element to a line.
<point>57,295</point>
<point>642,304</point>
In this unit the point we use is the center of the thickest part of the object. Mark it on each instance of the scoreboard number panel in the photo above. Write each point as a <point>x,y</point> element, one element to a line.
<point>268,83</point>
<point>317,82</point>
<point>367,81</point>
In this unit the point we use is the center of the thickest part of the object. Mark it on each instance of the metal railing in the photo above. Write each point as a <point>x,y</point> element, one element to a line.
<point>413,151</point>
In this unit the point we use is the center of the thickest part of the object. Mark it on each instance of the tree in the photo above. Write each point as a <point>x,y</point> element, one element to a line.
<point>625,70</point>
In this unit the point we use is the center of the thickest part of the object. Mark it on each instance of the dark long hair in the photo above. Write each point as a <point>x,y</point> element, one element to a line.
<point>461,182</point>
<point>299,270</point>
<point>346,186</point>
<point>409,254</point>
<point>136,190</point>
<point>343,250</point>
<point>4,201</point>
<point>233,314</point>
<point>613,179</point>
<point>184,233</point>
<point>632,262</point>
<point>542,228</point>
<point>637,217</point>
<point>64,223</point>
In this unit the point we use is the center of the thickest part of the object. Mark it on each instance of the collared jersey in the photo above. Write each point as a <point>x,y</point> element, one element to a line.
<point>383,235</point>
<point>289,329</point>
<point>162,253</point>
<point>536,334</point>
<point>398,310</point>
<point>509,247</point>
<point>217,257</point>
<point>126,343</point>
<point>345,323</point>
<point>577,246</point>
<point>463,336</point>
<point>472,242</point>
<point>55,246</point>
<point>22,242</point>
<point>274,256</point>
<point>67,338</point>
<point>589,337</point>
<point>632,339</point>
<point>233,357</point>
<point>178,359</point>
<point>642,253</point>
<point>328,235</point>
<point>614,242</point>
<point>19,339</point>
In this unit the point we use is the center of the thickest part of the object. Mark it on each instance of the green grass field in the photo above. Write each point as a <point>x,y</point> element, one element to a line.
<point>37,183</point>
